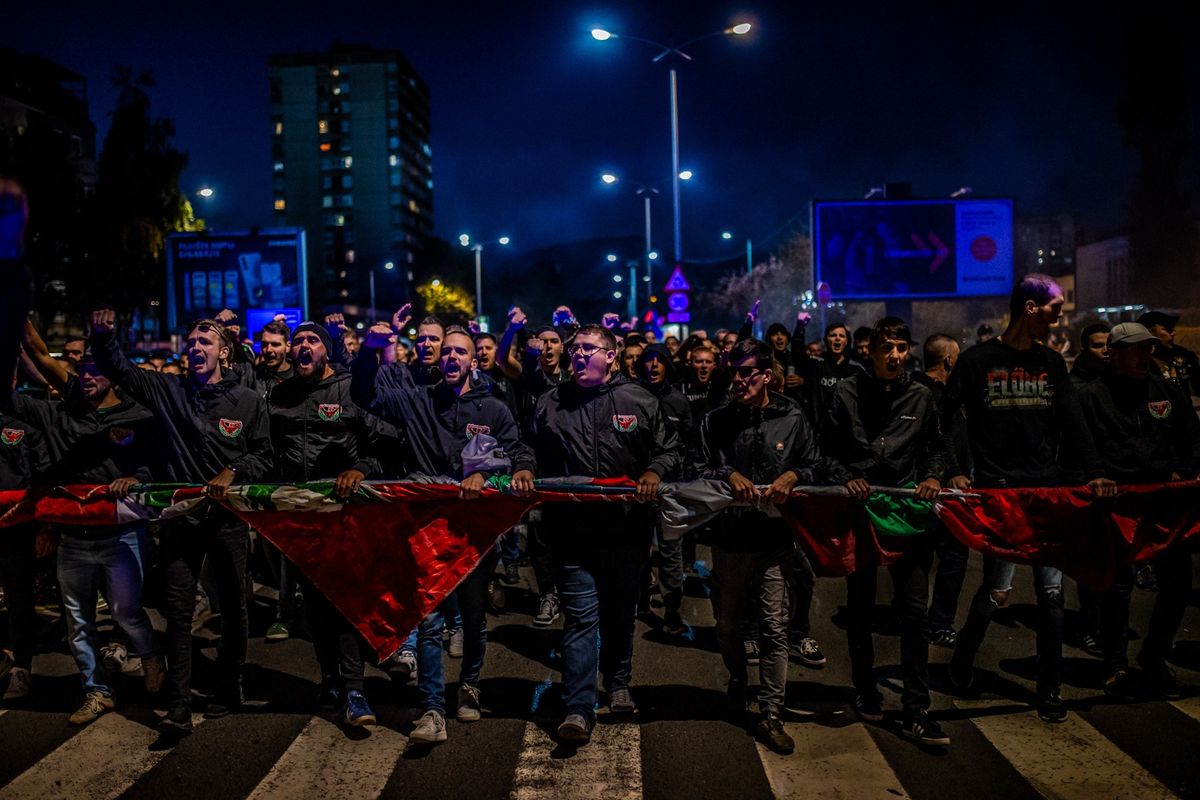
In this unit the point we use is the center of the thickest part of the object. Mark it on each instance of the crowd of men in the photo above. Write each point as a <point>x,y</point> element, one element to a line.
<point>319,403</point>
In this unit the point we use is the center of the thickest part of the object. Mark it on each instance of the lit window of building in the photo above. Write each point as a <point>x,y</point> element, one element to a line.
<point>413,207</point>
<point>393,160</point>
<point>322,126</point>
<point>325,147</point>
<point>327,202</point>
<point>278,128</point>
<point>348,162</point>
<point>349,256</point>
<point>279,166</point>
<point>345,292</point>
<point>339,220</point>
<point>280,204</point>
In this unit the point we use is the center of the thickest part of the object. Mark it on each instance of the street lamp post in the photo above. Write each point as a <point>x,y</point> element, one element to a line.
<point>388,265</point>
<point>465,241</point>
<point>646,191</point>
<point>602,35</point>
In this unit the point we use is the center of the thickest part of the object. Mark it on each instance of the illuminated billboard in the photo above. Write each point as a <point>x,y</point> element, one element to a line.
<point>879,249</point>
<point>244,271</point>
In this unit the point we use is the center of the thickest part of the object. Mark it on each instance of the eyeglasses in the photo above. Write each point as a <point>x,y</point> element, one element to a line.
<point>584,349</point>
<point>747,373</point>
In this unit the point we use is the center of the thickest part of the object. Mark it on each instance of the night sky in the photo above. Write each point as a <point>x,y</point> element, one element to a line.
<point>528,109</point>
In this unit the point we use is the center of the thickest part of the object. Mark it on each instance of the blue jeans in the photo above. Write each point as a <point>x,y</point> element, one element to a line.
<point>510,546</point>
<point>114,564</point>
<point>470,598</point>
<point>598,589</point>
<point>998,577</point>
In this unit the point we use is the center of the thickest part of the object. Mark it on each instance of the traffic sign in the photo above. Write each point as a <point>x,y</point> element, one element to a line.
<point>677,301</point>
<point>677,283</point>
<point>678,316</point>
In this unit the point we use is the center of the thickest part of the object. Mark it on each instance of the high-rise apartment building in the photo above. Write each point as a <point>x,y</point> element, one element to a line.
<point>352,165</point>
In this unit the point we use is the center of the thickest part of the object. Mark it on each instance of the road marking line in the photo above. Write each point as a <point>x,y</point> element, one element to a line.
<point>101,761</point>
<point>830,762</point>
<point>322,761</point>
<point>1070,760</point>
<point>608,768</point>
<point>1189,706</point>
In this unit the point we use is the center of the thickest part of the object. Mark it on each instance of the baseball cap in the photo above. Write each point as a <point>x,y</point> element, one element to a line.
<point>1128,333</point>
<point>1152,318</point>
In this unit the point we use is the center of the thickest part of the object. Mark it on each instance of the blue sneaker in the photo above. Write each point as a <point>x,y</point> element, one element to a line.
<point>356,712</point>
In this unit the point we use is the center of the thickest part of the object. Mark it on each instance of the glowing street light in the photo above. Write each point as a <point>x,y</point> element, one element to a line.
<point>465,241</point>
<point>665,51</point>
<point>726,235</point>
<point>389,265</point>
<point>652,255</point>
<point>617,279</point>
<point>608,178</point>
<point>611,257</point>
<point>206,192</point>
<point>686,175</point>
<point>503,240</point>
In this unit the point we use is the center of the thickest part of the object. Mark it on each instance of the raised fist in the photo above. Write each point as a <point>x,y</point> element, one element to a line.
<point>752,315</point>
<point>379,337</point>
<point>336,325</point>
<point>803,318</point>
<point>473,327</point>
<point>516,318</point>
<point>610,320</point>
<point>225,316</point>
<point>103,320</point>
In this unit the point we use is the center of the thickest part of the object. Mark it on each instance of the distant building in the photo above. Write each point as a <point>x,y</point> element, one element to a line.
<point>1047,244</point>
<point>1102,274</point>
<point>352,165</point>
<point>39,98</point>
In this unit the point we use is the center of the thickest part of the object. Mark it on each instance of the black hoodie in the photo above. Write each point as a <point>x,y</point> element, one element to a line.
<point>206,427</point>
<point>437,420</point>
<point>23,455</point>
<point>318,432</point>
<point>675,406</point>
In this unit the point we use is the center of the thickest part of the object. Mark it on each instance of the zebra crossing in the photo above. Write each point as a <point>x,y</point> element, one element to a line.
<point>678,746</point>
<point>117,754</point>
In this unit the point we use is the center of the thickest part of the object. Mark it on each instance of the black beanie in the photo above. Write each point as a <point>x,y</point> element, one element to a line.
<point>319,330</point>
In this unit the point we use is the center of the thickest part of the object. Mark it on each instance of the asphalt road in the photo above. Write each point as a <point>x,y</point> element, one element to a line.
<point>679,745</point>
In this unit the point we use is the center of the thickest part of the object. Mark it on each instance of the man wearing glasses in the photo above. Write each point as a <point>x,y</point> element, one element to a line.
<point>600,425</point>
<point>761,439</point>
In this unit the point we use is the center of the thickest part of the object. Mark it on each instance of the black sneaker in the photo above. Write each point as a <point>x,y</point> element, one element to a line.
<point>808,652</point>
<point>547,613</point>
<point>223,706</point>
<point>946,637</point>
<point>1160,680</point>
<point>1119,685</point>
<point>1050,707</point>
<point>512,575</point>
<point>920,728</point>
<point>1091,645</point>
<point>869,708</point>
<point>961,679</point>
<point>770,732</point>
<point>673,624</point>
<point>328,696</point>
<point>752,652</point>
<point>177,721</point>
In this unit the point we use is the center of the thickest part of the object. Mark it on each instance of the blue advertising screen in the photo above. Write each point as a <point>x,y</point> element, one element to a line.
<point>877,249</point>
<point>241,271</point>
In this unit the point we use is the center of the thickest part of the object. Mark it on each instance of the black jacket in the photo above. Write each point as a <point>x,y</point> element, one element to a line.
<point>24,458</point>
<point>206,427</point>
<point>886,431</point>
<point>958,456</point>
<point>762,442</point>
<point>94,445</point>
<point>1144,430</point>
<point>318,432</point>
<point>614,430</point>
<point>675,407</point>
<point>437,421</point>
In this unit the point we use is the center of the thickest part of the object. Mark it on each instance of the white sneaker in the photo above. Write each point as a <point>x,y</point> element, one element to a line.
<point>430,729</point>
<point>19,684</point>
<point>114,655</point>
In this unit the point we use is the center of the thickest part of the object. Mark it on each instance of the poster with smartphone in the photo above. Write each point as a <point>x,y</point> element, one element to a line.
<point>238,270</point>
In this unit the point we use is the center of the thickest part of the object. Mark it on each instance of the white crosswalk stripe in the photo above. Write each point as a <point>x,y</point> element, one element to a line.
<point>324,762</point>
<point>1189,706</point>
<point>1070,760</point>
<point>102,761</point>
<point>609,768</point>
<point>842,763</point>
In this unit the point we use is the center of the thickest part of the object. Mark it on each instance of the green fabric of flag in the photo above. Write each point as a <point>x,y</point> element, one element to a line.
<point>899,516</point>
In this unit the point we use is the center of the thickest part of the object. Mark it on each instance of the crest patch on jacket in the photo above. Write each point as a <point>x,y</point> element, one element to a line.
<point>230,428</point>
<point>625,423</point>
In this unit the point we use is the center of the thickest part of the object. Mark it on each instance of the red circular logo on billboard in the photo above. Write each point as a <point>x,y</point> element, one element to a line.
<point>983,248</point>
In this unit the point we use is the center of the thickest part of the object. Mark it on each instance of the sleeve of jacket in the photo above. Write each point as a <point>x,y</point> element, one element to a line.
<point>1075,433</point>
<point>936,450</point>
<point>256,463</point>
<point>666,450</point>
<point>840,440</point>
<point>806,460</point>
<point>1186,435</point>
<point>148,388</point>
<point>504,428</point>
<point>369,442</point>
<point>712,463</point>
